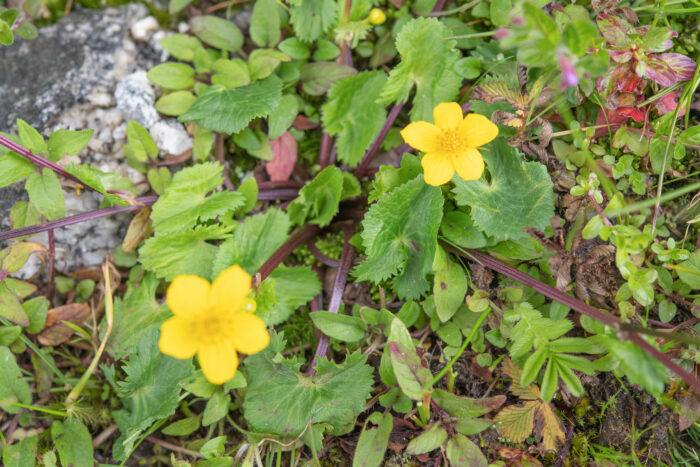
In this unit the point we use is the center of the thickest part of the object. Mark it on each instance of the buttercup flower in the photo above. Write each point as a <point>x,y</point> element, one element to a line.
<point>214,321</point>
<point>451,143</point>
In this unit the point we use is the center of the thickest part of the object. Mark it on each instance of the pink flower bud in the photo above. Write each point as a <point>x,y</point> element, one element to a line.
<point>500,33</point>
<point>568,72</point>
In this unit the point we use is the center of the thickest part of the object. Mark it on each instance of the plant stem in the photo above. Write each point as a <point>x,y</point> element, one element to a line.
<point>36,408</point>
<point>221,157</point>
<point>362,168</point>
<point>299,238</point>
<point>461,350</point>
<point>52,259</point>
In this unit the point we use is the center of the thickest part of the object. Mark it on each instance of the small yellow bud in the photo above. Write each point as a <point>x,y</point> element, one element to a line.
<point>377,16</point>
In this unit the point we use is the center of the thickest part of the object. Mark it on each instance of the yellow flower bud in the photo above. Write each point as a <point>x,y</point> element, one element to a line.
<point>377,16</point>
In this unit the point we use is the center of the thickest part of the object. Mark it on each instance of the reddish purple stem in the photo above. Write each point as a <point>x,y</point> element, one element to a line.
<point>362,168</point>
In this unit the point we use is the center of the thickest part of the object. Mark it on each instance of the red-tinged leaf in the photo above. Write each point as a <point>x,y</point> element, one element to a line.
<point>462,407</point>
<point>55,332</point>
<point>621,56</point>
<point>658,70</point>
<point>690,411</point>
<point>303,123</point>
<point>629,82</point>
<point>615,30</point>
<point>658,40</point>
<point>510,453</point>
<point>667,104</point>
<point>683,67</point>
<point>608,117</point>
<point>282,165</point>
<point>10,307</point>
<point>636,114</point>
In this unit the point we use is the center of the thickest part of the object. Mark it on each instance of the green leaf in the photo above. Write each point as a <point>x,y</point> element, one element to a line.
<point>690,274</point>
<point>639,367</point>
<point>500,12</point>
<point>311,18</point>
<point>216,408</point>
<point>459,228</point>
<point>253,241</point>
<point>14,387</point>
<point>400,237</point>
<point>430,439</point>
<point>185,201</point>
<point>215,447</point>
<point>338,326</point>
<point>449,289</point>
<point>188,252</point>
<point>318,200</point>
<point>103,181</point>
<point>172,75</point>
<point>373,442</point>
<point>230,73</point>
<point>413,378</point>
<point>141,142</point>
<point>202,143</point>
<point>262,62</point>
<point>182,427</point>
<point>36,310</point>
<point>230,110</point>
<point>177,5</point>
<point>690,135</point>
<point>6,35</point>
<point>326,50</point>
<point>317,77</point>
<point>354,115</point>
<point>151,388</point>
<point>265,23</point>
<point>67,142</point>
<point>217,32</point>
<point>136,314</point>
<point>46,195</point>
<point>282,401</point>
<point>427,60</point>
<point>21,454</point>
<point>175,103</point>
<point>549,381</point>
<point>181,46</point>
<point>249,189</point>
<point>469,67</point>
<point>31,139</point>
<point>472,426</point>
<point>462,452</point>
<point>159,178</point>
<point>295,48</point>
<point>520,194</point>
<point>466,407</point>
<point>73,443</point>
<point>282,117</point>
<point>284,291</point>
<point>13,167</point>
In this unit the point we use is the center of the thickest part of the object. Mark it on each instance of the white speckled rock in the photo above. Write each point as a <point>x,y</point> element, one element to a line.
<point>143,29</point>
<point>171,136</point>
<point>135,99</point>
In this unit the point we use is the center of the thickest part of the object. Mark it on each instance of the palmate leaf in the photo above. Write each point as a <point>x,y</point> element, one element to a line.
<point>253,242</point>
<point>185,199</point>
<point>230,110</point>
<point>427,60</point>
<point>311,18</point>
<point>282,401</point>
<point>519,195</point>
<point>318,200</point>
<point>400,237</point>
<point>284,291</point>
<point>353,113</point>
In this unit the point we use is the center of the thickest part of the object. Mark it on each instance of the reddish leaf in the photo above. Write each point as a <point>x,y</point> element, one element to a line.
<point>55,332</point>
<point>615,30</point>
<point>658,70</point>
<point>657,40</point>
<point>303,123</point>
<point>636,114</point>
<point>683,67</point>
<point>667,104</point>
<point>690,411</point>
<point>284,148</point>
<point>621,56</point>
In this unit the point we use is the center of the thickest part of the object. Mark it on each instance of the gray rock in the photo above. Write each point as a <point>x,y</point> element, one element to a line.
<point>135,99</point>
<point>171,137</point>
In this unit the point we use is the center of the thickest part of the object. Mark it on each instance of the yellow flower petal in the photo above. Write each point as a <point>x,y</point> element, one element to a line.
<point>469,165</point>
<point>188,296</point>
<point>477,130</point>
<point>230,288</point>
<point>176,338</point>
<point>447,115</point>
<point>218,360</point>
<point>423,136</point>
<point>437,167</point>
<point>249,334</point>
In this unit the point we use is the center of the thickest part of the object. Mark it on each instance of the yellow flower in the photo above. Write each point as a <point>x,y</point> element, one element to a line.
<point>376,16</point>
<point>213,320</point>
<point>451,143</point>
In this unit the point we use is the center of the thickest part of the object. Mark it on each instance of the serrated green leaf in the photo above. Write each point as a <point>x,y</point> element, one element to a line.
<point>188,252</point>
<point>73,443</point>
<point>354,115</point>
<point>338,326</point>
<point>217,32</point>
<point>284,291</point>
<point>46,195</point>
<point>175,103</point>
<point>318,200</point>
<point>690,274</point>
<point>172,75</point>
<point>14,387</point>
<point>427,61</point>
<point>265,23</point>
<point>283,401</point>
<point>253,242</point>
<point>519,195</point>
<point>400,237</point>
<point>185,201</point>
<point>639,367</point>
<point>67,142</point>
<point>311,18</point>
<point>230,110</point>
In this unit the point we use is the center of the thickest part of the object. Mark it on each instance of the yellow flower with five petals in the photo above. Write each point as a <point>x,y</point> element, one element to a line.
<point>451,143</point>
<point>215,321</point>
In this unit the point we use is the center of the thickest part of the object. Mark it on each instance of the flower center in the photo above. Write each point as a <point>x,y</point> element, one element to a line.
<point>452,141</point>
<point>212,327</point>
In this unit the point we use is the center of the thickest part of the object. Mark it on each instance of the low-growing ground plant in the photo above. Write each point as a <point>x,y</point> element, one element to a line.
<point>421,233</point>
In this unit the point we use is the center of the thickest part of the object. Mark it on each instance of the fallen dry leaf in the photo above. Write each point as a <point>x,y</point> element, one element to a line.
<point>55,332</point>
<point>284,148</point>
